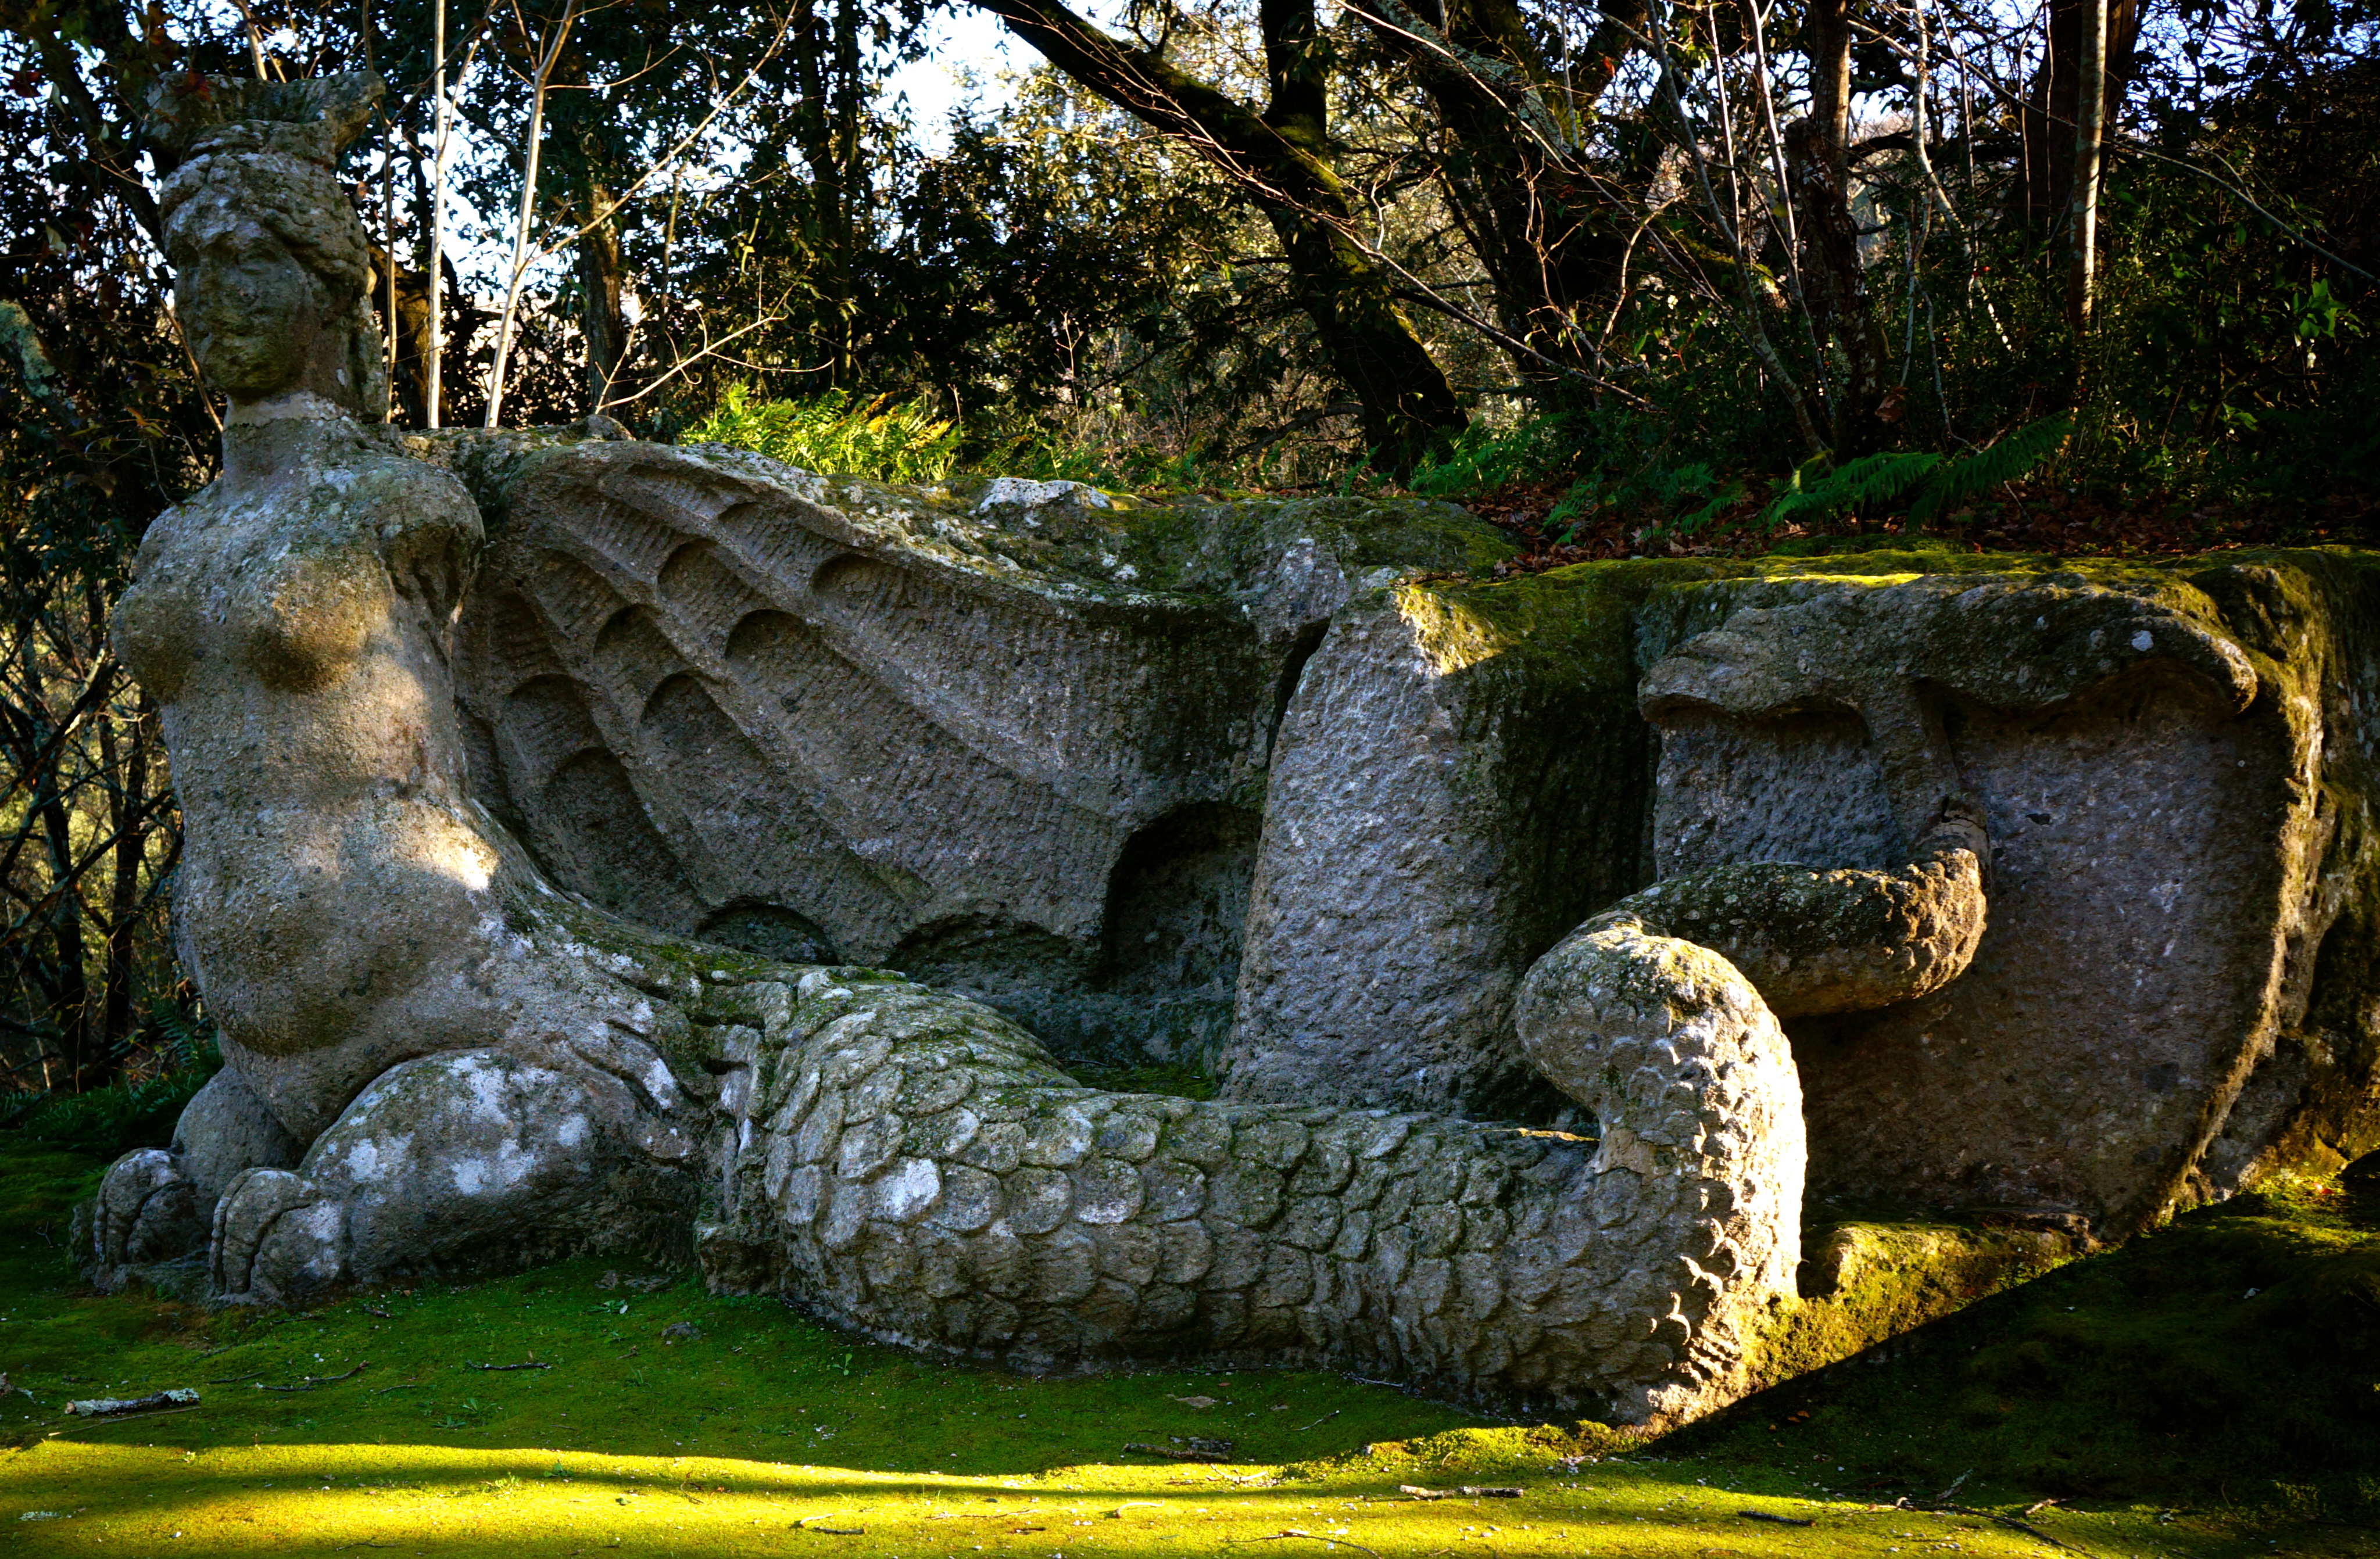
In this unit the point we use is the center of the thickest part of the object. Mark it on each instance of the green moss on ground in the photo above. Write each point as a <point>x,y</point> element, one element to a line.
<point>2227,1359</point>
<point>1181,1080</point>
<point>2171,1414</point>
<point>1865,1283</point>
<point>39,1184</point>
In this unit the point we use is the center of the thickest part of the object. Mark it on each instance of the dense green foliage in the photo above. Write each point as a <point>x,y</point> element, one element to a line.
<point>135,1110</point>
<point>832,432</point>
<point>124,1115</point>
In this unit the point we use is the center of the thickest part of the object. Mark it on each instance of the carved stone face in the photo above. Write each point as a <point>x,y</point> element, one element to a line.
<point>259,322</point>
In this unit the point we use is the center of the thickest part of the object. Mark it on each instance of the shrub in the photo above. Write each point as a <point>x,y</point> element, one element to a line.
<point>837,433</point>
<point>128,1113</point>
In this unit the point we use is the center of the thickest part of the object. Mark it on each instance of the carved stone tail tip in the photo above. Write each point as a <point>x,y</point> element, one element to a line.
<point>1958,825</point>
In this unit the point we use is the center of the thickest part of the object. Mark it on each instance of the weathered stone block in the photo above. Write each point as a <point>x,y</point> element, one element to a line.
<point>2177,795</point>
<point>1038,1200</point>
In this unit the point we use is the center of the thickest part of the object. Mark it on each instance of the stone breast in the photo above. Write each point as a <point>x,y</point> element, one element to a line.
<point>227,582</point>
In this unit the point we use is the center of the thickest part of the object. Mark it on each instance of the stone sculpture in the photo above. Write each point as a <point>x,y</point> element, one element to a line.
<point>357,927</point>
<point>2175,766</point>
<point>1377,803</point>
<point>595,845</point>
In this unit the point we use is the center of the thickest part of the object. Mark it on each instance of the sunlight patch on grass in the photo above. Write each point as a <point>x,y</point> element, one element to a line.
<point>448,1499</point>
<point>592,1407</point>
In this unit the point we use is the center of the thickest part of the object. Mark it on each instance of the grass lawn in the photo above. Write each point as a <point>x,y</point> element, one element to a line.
<point>2164,1409</point>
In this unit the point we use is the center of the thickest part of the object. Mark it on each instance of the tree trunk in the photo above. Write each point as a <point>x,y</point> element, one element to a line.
<point>582,152</point>
<point>1372,345</point>
<point>1834,284</point>
<point>826,127</point>
<point>411,329</point>
<point>2046,191</point>
<point>1828,24</point>
<point>851,188</point>
<point>1404,398</point>
<point>1296,85</point>
<point>1551,254</point>
<point>419,407</point>
<point>70,980</point>
<point>67,980</point>
<point>442,122</point>
<point>1328,274</point>
<point>2082,235</point>
<point>70,987</point>
<point>126,803</point>
<point>605,328</point>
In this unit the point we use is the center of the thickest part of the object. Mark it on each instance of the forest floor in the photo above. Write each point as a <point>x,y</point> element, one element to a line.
<point>2138,1402</point>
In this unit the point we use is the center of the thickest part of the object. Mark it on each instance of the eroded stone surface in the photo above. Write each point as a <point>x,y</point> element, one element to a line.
<point>1429,831</point>
<point>1691,977</point>
<point>1015,746</point>
<point>1248,808</point>
<point>356,921</point>
<point>1816,941</point>
<point>2179,818</point>
<point>224,1129</point>
<point>1068,1226</point>
<point>487,1069</point>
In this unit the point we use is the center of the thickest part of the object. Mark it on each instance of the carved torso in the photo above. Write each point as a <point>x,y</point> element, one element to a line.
<point>293,622</point>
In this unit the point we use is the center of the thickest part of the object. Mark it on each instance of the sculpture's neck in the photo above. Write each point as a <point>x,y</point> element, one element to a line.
<point>298,429</point>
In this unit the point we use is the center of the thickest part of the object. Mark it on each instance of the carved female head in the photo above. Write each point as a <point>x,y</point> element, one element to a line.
<point>273,272</point>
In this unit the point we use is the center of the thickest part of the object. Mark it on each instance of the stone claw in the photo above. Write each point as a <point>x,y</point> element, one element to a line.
<point>275,1239</point>
<point>454,1163</point>
<point>147,1212</point>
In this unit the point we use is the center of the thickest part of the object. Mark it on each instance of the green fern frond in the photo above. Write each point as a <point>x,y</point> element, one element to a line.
<point>1729,495</point>
<point>833,432</point>
<point>1577,502</point>
<point>1878,480</point>
<point>190,1040</point>
<point>1799,495</point>
<point>1482,457</point>
<point>1870,480</point>
<point>122,1114</point>
<point>2019,454</point>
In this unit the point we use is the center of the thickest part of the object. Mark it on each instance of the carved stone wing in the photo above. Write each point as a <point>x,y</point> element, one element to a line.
<point>717,695</point>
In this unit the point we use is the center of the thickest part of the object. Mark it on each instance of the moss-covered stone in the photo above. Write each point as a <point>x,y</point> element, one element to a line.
<point>1864,1283</point>
<point>2281,641</point>
<point>2215,694</point>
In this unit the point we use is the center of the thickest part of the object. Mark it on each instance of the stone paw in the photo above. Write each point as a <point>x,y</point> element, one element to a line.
<point>276,1237</point>
<point>147,1212</point>
<point>453,1165</point>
